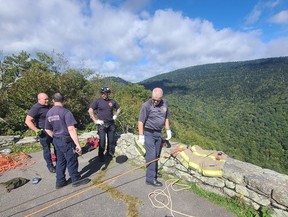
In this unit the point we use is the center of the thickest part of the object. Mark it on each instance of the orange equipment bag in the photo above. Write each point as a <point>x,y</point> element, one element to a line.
<point>91,143</point>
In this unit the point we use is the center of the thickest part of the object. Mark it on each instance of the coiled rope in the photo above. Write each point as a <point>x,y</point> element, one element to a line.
<point>177,149</point>
<point>158,196</point>
<point>14,161</point>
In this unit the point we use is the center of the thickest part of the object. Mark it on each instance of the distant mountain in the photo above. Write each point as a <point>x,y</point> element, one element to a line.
<point>117,80</point>
<point>238,107</point>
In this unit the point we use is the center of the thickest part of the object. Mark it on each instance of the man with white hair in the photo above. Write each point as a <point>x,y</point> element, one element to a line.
<point>153,117</point>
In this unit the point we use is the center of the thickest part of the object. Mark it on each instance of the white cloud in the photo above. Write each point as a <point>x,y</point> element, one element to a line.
<point>254,16</point>
<point>117,42</point>
<point>277,47</point>
<point>280,18</point>
<point>271,3</point>
<point>189,42</point>
<point>259,9</point>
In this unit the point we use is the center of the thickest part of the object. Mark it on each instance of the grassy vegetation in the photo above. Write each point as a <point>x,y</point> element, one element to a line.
<point>26,148</point>
<point>237,107</point>
<point>130,201</point>
<point>235,205</point>
<point>31,147</point>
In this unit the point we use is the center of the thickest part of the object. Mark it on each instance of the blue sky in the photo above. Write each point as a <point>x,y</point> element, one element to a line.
<point>138,39</point>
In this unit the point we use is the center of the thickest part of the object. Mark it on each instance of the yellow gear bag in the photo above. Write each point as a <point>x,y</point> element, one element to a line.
<point>206,162</point>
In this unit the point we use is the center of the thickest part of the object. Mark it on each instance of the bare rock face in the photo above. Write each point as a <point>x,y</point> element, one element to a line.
<point>27,140</point>
<point>8,140</point>
<point>256,186</point>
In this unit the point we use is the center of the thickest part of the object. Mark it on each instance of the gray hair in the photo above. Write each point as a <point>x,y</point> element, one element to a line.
<point>157,93</point>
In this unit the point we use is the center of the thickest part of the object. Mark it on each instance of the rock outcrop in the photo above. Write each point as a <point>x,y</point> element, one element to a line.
<point>252,184</point>
<point>256,186</point>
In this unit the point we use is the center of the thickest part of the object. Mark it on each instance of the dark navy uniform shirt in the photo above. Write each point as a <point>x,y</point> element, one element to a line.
<point>58,119</point>
<point>104,108</point>
<point>153,116</point>
<point>38,113</point>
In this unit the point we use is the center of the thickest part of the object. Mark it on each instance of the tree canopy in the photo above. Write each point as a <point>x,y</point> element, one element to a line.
<point>240,108</point>
<point>25,77</point>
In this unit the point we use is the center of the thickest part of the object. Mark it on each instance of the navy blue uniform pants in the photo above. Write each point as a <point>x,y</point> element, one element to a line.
<point>109,130</point>
<point>46,141</point>
<point>152,144</point>
<point>66,157</point>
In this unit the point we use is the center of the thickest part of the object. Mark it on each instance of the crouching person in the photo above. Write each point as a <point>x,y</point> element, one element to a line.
<point>60,125</point>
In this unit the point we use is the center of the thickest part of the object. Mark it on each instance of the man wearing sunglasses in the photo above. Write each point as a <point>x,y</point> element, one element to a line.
<point>105,121</point>
<point>153,117</point>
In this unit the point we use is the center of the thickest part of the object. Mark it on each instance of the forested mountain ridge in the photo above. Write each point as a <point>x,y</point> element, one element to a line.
<point>238,107</point>
<point>118,80</point>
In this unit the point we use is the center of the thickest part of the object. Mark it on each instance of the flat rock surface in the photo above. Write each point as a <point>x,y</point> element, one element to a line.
<point>120,182</point>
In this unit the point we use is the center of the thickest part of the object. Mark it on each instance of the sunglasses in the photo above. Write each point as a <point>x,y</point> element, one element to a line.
<point>156,100</point>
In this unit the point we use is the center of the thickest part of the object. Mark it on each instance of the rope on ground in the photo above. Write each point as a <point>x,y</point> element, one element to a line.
<point>158,196</point>
<point>14,161</point>
<point>99,184</point>
<point>88,189</point>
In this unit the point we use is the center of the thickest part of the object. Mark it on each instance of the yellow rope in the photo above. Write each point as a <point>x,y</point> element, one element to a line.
<point>159,195</point>
<point>94,186</point>
<point>89,188</point>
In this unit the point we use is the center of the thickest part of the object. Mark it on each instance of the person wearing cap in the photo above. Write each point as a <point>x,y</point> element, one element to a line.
<point>153,117</point>
<point>35,120</point>
<point>60,125</point>
<point>104,107</point>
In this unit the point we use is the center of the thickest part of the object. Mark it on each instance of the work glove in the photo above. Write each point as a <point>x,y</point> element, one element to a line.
<point>169,134</point>
<point>114,117</point>
<point>39,133</point>
<point>100,122</point>
<point>141,139</point>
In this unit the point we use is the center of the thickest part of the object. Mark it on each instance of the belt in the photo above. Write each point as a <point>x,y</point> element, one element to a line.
<point>151,130</point>
<point>64,138</point>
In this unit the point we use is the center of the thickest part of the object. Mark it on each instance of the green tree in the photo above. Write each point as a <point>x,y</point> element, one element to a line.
<point>23,94</point>
<point>72,84</point>
<point>130,98</point>
<point>13,68</point>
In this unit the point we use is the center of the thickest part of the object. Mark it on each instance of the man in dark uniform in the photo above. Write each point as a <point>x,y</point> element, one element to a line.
<point>35,120</point>
<point>60,125</point>
<point>153,117</point>
<point>105,121</point>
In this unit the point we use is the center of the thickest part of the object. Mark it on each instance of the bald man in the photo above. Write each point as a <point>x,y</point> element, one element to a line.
<point>35,120</point>
<point>153,117</point>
